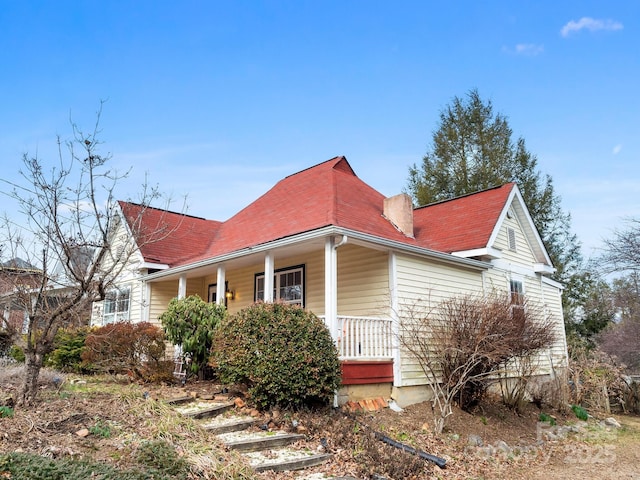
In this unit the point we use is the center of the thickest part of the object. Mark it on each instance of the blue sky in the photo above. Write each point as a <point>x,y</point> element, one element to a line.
<point>221,99</point>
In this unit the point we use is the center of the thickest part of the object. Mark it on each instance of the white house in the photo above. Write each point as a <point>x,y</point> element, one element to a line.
<point>323,239</point>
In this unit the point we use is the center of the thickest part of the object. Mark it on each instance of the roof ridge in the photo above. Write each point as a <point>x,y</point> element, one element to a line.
<point>336,158</point>
<point>464,195</point>
<point>165,210</point>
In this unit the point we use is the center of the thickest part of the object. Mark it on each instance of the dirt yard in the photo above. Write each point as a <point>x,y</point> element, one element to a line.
<point>492,443</point>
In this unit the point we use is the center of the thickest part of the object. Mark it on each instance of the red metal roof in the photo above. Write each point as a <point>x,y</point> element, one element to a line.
<point>328,194</point>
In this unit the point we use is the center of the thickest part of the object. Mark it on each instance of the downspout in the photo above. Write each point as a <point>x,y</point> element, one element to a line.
<point>334,286</point>
<point>342,242</point>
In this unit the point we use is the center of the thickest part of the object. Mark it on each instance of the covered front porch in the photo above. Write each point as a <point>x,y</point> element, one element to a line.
<point>346,283</point>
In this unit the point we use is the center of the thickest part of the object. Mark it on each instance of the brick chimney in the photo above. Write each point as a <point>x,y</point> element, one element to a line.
<point>399,211</point>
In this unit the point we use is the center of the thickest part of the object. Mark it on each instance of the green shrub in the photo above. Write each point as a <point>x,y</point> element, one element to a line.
<point>580,412</point>
<point>284,354</point>
<point>17,353</point>
<point>6,411</point>
<point>191,322</point>
<point>161,456</point>
<point>7,337</point>
<point>544,417</point>
<point>100,429</point>
<point>24,466</point>
<point>136,349</point>
<point>68,347</point>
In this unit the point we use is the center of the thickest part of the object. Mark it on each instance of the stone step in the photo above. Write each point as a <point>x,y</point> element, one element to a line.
<point>265,450</point>
<point>204,409</point>
<point>222,424</point>
<point>254,441</point>
<point>179,400</point>
<point>285,459</point>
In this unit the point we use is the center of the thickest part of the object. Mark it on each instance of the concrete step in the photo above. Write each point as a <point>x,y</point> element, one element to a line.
<point>285,459</point>
<point>245,441</point>
<point>265,450</point>
<point>203,409</point>
<point>223,424</point>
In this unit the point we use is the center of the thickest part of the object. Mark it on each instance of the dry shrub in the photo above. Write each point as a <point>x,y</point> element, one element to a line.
<point>551,390</point>
<point>12,375</point>
<point>466,342</point>
<point>596,381</point>
<point>136,349</point>
<point>620,340</point>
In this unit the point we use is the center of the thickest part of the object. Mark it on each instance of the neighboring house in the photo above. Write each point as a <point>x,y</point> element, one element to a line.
<point>15,275</point>
<point>325,240</point>
<point>20,283</point>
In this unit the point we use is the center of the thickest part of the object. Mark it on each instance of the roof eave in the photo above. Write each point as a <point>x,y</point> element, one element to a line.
<point>486,252</point>
<point>544,269</point>
<point>319,233</point>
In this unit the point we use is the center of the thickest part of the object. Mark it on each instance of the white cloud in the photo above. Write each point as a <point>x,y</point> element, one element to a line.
<point>616,149</point>
<point>529,49</point>
<point>526,49</point>
<point>591,24</point>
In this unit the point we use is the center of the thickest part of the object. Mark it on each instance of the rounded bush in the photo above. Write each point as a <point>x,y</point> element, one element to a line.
<point>137,349</point>
<point>17,353</point>
<point>68,347</point>
<point>191,323</point>
<point>282,353</point>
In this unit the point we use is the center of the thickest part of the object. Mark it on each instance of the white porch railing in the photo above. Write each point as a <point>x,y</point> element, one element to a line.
<point>364,338</point>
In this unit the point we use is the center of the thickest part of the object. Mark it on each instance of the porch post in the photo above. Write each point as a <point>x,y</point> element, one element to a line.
<point>145,301</point>
<point>268,277</point>
<point>220,286</point>
<point>395,318</point>
<point>330,287</point>
<point>182,286</point>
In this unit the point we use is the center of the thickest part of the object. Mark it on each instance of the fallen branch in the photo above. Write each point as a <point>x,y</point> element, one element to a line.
<point>441,462</point>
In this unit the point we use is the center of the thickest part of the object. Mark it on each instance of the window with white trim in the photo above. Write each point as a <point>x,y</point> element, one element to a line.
<point>288,285</point>
<point>516,292</point>
<point>116,305</point>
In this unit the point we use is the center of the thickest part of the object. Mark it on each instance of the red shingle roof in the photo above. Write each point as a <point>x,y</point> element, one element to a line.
<point>168,237</point>
<point>328,194</point>
<point>463,223</point>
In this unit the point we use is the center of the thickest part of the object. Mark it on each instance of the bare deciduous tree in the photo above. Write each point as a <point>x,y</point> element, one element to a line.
<point>463,342</point>
<point>69,220</point>
<point>622,252</point>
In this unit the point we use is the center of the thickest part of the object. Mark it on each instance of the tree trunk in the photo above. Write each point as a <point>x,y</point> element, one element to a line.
<point>32,364</point>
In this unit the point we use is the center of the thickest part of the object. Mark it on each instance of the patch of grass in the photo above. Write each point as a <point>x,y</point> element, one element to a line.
<point>161,456</point>
<point>6,411</point>
<point>543,417</point>
<point>22,466</point>
<point>580,412</point>
<point>101,429</point>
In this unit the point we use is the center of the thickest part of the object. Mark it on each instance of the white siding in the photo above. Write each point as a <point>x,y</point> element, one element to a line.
<point>363,282</point>
<point>427,283</point>
<point>161,295</point>
<point>541,296</point>
<point>128,277</point>
<point>523,254</point>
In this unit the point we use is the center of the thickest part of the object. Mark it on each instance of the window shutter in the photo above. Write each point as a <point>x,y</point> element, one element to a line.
<point>512,238</point>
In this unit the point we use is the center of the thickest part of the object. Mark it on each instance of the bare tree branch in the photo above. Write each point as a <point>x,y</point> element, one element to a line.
<point>71,221</point>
